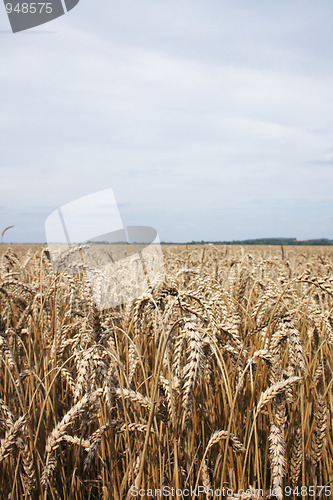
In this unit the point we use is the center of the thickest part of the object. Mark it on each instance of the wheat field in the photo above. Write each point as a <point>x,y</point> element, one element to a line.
<point>220,377</point>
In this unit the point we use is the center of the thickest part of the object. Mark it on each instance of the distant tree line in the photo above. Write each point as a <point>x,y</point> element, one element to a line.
<point>261,241</point>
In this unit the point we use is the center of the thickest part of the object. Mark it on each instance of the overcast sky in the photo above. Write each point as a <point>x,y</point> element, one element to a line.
<point>209,119</point>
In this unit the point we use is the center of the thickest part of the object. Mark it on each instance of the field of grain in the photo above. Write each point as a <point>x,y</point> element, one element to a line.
<point>220,377</point>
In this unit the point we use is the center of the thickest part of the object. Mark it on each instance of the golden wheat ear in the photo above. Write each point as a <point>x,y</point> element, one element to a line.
<point>5,230</point>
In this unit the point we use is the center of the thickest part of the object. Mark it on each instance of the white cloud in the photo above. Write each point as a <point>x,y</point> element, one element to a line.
<point>182,107</point>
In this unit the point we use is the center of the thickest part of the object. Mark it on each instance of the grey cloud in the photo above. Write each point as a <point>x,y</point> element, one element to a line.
<point>186,107</point>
